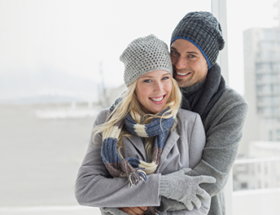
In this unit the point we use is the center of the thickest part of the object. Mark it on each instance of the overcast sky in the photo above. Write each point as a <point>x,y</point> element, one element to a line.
<point>74,36</point>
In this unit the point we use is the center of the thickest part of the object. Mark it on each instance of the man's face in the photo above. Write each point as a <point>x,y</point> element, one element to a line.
<point>189,65</point>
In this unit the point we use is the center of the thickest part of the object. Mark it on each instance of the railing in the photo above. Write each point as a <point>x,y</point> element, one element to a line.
<point>256,173</point>
<point>256,183</point>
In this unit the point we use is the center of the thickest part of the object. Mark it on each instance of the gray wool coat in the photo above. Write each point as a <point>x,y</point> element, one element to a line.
<point>183,148</point>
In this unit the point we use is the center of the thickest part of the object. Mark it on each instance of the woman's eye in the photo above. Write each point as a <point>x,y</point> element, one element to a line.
<point>165,78</point>
<point>147,81</point>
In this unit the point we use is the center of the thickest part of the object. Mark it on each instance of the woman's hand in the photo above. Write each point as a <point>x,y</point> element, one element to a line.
<point>134,210</point>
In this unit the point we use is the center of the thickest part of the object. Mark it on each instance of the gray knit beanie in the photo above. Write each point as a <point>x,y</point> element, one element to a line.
<point>144,55</point>
<point>204,31</point>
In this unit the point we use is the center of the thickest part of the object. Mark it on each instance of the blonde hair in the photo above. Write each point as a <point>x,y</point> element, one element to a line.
<point>130,104</point>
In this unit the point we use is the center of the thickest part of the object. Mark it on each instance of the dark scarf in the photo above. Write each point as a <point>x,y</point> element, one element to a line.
<point>201,97</point>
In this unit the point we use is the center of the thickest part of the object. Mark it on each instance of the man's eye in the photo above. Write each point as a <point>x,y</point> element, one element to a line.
<point>174,52</point>
<point>191,56</point>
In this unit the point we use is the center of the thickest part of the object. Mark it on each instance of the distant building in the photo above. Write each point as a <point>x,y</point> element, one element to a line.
<point>262,85</point>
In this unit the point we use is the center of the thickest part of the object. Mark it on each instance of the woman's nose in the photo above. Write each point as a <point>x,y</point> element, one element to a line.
<point>158,86</point>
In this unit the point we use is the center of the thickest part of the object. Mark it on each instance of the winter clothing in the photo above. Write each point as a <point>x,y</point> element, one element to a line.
<point>171,186</point>
<point>204,31</point>
<point>223,111</point>
<point>203,99</point>
<point>183,148</point>
<point>223,126</point>
<point>144,55</point>
<point>132,167</point>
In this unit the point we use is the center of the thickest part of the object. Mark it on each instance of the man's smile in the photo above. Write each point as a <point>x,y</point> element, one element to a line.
<point>182,74</point>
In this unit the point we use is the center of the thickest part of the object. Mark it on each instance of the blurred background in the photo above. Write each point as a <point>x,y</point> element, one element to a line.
<point>59,65</point>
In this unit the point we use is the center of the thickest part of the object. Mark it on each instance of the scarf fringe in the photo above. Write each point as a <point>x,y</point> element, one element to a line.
<point>136,176</point>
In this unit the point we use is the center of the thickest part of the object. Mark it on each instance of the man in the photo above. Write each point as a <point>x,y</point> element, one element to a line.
<point>194,49</point>
<point>195,45</point>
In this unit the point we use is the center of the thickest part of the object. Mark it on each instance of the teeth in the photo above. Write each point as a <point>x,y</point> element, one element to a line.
<point>181,73</point>
<point>157,100</point>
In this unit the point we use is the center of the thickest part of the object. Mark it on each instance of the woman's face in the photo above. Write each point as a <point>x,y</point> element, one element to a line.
<point>153,90</point>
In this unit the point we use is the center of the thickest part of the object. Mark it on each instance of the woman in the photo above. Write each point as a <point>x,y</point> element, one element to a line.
<point>144,142</point>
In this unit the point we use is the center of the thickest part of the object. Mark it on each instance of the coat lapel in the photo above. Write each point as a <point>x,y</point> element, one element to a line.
<point>171,141</point>
<point>138,144</point>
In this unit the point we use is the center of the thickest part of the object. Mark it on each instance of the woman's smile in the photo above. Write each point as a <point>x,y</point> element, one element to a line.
<point>158,99</point>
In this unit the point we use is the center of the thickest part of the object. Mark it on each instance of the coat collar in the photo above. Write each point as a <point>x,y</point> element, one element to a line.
<point>171,141</point>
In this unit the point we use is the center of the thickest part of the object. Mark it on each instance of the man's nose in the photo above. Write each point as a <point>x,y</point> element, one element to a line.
<point>181,63</point>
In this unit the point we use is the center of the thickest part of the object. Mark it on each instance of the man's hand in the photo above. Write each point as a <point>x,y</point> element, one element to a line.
<point>112,211</point>
<point>183,188</point>
<point>134,210</point>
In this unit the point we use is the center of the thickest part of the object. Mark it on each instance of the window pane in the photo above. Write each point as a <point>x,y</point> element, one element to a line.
<point>53,53</point>
<point>253,40</point>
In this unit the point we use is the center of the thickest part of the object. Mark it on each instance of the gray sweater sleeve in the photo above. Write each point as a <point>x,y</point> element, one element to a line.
<point>94,186</point>
<point>223,127</point>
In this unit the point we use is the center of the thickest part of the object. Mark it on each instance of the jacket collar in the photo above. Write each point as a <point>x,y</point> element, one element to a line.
<point>171,141</point>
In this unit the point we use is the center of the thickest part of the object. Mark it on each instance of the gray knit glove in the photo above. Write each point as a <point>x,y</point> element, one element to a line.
<point>170,205</point>
<point>184,188</point>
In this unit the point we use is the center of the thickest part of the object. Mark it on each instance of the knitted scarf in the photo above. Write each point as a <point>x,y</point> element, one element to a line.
<point>201,97</point>
<point>131,167</point>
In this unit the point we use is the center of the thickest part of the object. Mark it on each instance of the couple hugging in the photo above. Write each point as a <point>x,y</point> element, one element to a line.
<point>167,144</point>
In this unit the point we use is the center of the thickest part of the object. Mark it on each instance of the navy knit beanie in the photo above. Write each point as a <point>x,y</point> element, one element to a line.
<point>204,31</point>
